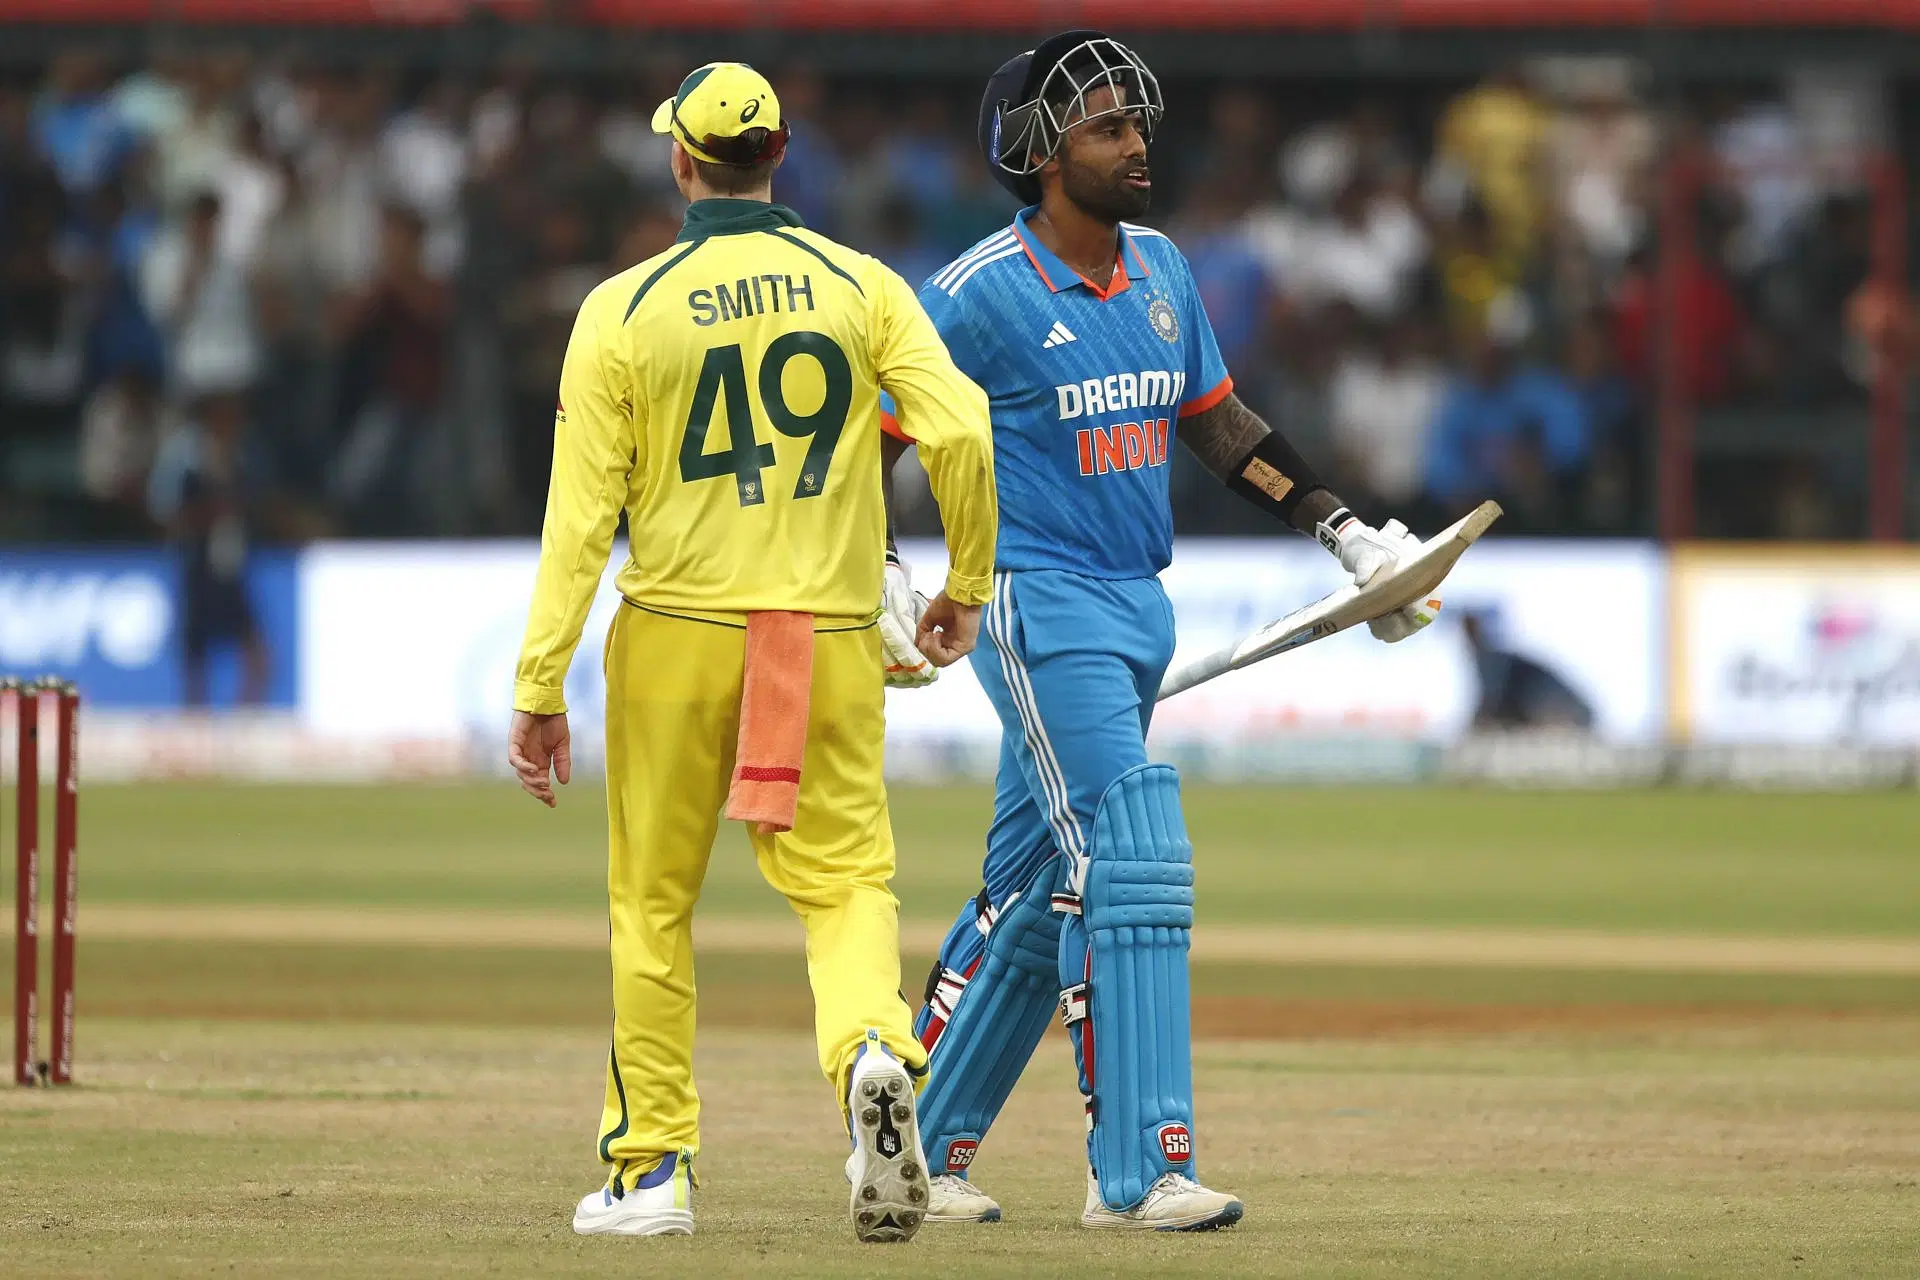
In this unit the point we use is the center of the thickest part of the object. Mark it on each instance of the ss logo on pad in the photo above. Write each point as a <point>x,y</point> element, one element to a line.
<point>1176,1144</point>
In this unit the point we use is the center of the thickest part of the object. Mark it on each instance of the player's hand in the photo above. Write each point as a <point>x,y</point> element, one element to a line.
<point>535,745</point>
<point>1365,551</point>
<point>1403,622</point>
<point>948,631</point>
<point>900,609</point>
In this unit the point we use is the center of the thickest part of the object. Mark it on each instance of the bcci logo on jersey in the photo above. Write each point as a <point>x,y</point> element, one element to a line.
<point>1163,319</point>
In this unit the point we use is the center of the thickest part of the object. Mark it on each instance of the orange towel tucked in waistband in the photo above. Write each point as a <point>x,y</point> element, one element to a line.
<point>773,720</point>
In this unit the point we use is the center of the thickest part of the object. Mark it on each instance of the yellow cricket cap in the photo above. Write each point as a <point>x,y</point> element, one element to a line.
<point>724,113</point>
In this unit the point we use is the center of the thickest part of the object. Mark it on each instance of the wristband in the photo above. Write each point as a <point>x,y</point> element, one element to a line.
<point>1329,530</point>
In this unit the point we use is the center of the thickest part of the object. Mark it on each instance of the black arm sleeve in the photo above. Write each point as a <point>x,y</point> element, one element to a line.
<point>1274,477</point>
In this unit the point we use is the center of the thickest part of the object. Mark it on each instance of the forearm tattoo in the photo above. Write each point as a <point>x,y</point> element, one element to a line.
<point>1223,436</point>
<point>1257,463</point>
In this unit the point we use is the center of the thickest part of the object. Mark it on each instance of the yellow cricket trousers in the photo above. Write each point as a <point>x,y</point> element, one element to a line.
<point>673,717</point>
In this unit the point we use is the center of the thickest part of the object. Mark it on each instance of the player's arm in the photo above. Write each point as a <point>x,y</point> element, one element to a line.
<point>1231,441</point>
<point>948,413</point>
<point>1258,463</point>
<point>593,456</point>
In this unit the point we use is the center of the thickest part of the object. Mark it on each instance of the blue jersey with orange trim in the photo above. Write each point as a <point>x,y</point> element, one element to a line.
<point>1083,388</point>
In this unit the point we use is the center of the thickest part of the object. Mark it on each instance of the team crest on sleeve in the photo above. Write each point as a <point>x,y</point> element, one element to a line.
<point>1162,318</point>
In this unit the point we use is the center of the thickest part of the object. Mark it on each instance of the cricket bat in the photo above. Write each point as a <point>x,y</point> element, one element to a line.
<point>1408,580</point>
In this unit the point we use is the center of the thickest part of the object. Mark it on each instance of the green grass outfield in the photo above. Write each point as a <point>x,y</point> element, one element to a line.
<point>338,1031</point>
<point>1673,861</point>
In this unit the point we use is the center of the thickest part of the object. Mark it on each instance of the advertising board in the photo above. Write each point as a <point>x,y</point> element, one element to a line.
<point>112,621</point>
<point>1588,615</point>
<point>1796,645</point>
<point>419,640</point>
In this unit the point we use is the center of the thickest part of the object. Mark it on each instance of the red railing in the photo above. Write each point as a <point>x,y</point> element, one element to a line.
<point>1685,180</point>
<point>1001,14</point>
<point>1887,451</point>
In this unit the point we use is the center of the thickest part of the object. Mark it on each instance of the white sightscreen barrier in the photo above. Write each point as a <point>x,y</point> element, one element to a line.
<point>1590,613</point>
<point>418,641</point>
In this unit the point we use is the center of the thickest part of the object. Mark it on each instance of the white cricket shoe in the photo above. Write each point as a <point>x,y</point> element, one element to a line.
<point>887,1168</point>
<point>951,1198</point>
<point>660,1204</point>
<point>1174,1203</point>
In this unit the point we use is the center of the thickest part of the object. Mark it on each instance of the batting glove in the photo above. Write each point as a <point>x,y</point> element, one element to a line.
<point>1365,551</point>
<point>900,609</point>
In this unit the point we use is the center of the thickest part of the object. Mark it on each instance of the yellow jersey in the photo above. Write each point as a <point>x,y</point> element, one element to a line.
<point>725,395</point>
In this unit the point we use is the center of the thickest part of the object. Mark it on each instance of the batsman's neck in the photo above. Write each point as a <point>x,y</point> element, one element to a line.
<point>696,190</point>
<point>1087,243</point>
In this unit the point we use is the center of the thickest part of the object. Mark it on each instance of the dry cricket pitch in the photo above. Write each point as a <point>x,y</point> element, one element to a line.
<point>1787,1148</point>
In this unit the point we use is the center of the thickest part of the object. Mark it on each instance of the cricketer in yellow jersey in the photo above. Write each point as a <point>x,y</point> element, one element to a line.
<point>725,395</point>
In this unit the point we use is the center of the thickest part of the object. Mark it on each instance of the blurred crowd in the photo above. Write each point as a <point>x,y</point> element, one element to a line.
<point>1458,296</point>
<point>244,298</point>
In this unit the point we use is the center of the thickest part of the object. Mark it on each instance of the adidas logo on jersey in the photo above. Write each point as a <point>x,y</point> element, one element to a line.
<point>1058,336</point>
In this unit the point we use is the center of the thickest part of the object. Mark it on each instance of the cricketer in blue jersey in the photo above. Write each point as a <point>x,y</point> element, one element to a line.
<point>1088,335</point>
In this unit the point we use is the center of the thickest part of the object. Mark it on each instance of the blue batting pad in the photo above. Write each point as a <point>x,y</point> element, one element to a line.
<point>1135,1045</point>
<point>996,1023</point>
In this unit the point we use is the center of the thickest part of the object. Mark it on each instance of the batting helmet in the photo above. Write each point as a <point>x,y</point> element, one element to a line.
<point>1035,97</point>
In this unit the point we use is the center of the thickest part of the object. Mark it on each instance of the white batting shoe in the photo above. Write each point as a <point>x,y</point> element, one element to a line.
<point>951,1198</point>
<point>1174,1203</point>
<point>660,1204</point>
<point>888,1169</point>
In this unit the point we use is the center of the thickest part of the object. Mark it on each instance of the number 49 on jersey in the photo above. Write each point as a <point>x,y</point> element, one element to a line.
<point>723,376</point>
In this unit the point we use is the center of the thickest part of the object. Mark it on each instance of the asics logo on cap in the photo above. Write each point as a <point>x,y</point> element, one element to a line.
<point>716,116</point>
